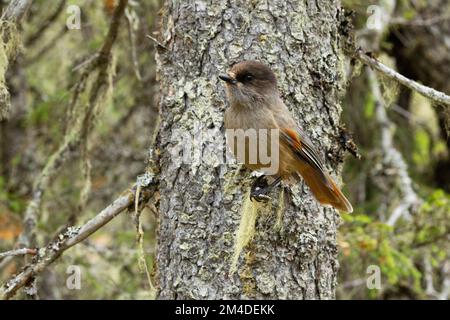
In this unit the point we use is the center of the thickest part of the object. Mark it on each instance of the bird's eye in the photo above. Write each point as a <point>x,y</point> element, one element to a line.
<point>248,77</point>
<point>245,77</point>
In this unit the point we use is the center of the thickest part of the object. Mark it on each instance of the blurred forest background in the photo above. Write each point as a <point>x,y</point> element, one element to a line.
<point>398,180</point>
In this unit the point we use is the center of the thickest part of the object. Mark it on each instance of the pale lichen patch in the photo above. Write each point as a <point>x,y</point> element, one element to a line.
<point>246,229</point>
<point>9,48</point>
<point>280,211</point>
<point>265,283</point>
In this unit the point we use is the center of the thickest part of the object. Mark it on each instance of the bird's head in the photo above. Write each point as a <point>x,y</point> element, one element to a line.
<point>250,82</point>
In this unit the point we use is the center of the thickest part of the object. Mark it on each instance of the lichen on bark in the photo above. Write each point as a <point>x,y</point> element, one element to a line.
<point>9,48</point>
<point>299,40</point>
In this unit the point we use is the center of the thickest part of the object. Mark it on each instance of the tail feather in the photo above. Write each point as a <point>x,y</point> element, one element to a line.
<point>325,193</point>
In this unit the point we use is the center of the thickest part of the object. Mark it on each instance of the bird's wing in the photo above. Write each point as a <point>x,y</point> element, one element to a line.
<point>304,150</point>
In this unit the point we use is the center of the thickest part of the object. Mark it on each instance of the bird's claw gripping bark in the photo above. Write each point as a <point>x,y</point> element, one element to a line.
<point>259,197</point>
<point>259,190</point>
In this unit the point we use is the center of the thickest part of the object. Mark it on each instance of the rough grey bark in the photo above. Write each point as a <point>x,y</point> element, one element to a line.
<point>200,207</point>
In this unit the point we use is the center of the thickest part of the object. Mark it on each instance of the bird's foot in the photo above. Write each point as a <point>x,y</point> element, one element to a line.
<point>259,190</point>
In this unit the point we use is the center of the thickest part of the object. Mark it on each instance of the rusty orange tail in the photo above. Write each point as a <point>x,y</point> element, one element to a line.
<point>325,193</point>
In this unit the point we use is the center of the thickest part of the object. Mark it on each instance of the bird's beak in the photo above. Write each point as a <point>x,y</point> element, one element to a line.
<point>227,79</point>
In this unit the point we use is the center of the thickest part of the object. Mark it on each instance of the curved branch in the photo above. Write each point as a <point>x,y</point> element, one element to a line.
<point>394,75</point>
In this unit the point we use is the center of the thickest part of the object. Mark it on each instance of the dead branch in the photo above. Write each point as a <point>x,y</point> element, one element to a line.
<point>18,252</point>
<point>394,75</point>
<point>113,29</point>
<point>388,9</point>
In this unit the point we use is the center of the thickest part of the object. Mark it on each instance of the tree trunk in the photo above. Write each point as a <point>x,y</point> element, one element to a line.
<point>202,202</point>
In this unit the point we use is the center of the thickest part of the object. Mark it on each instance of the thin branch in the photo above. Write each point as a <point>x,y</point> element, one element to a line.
<point>71,237</point>
<point>394,75</point>
<point>18,252</point>
<point>157,42</point>
<point>113,29</point>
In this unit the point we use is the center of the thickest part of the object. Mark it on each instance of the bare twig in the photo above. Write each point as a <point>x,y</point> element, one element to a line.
<point>71,237</point>
<point>157,42</point>
<point>394,75</point>
<point>113,29</point>
<point>18,252</point>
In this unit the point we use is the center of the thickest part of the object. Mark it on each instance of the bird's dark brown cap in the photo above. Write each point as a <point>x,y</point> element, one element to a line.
<point>252,73</point>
